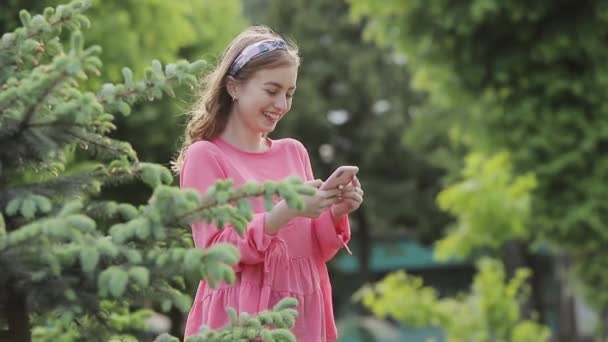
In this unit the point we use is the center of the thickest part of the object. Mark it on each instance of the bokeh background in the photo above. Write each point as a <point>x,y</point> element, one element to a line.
<point>480,128</point>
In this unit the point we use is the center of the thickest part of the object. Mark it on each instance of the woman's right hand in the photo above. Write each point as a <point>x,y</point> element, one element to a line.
<point>314,205</point>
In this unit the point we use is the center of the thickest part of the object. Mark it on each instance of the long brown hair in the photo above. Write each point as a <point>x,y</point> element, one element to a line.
<point>209,114</point>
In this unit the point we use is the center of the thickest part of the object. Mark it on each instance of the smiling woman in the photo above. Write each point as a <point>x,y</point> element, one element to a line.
<point>259,104</point>
<point>284,251</point>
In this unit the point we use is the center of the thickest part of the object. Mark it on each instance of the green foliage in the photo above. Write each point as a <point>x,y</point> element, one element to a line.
<point>491,207</point>
<point>66,327</point>
<point>80,263</point>
<point>188,29</point>
<point>489,313</point>
<point>528,78</point>
<point>269,326</point>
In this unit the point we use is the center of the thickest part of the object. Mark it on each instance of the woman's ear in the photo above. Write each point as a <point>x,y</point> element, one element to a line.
<point>232,86</point>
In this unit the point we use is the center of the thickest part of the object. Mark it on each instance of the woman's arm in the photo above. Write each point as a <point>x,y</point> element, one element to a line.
<point>330,233</point>
<point>201,170</point>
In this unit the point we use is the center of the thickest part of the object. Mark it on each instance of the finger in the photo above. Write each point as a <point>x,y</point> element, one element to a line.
<point>360,191</point>
<point>354,189</point>
<point>330,193</point>
<point>330,201</point>
<point>356,182</point>
<point>316,183</point>
<point>355,196</point>
<point>348,188</point>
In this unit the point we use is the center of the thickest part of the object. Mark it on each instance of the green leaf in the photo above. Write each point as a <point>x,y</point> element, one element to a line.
<point>141,275</point>
<point>123,108</point>
<point>127,75</point>
<point>81,222</point>
<point>71,207</point>
<point>192,259</point>
<point>43,203</point>
<point>266,336</point>
<point>13,206</point>
<point>233,315</point>
<point>223,252</point>
<point>70,295</point>
<point>166,305</point>
<point>197,66</point>
<point>283,335</point>
<point>25,18</point>
<point>77,41</point>
<point>133,256</point>
<point>89,257</point>
<point>127,211</point>
<point>286,303</point>
<point>183,302</point>
<point>28,208</point>
<point>118,282</point>
<point>142,231</point>
<point>166,338</point>
<point>2,227</point>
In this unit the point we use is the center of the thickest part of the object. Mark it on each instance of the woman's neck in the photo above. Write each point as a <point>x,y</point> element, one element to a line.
<point>243,138</point>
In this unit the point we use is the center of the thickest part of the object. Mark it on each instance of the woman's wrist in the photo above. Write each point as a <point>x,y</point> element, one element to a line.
<point>277,217</point>
<point>336,217</point>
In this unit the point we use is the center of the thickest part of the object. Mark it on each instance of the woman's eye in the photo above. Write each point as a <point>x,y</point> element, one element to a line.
<point>271,92</point>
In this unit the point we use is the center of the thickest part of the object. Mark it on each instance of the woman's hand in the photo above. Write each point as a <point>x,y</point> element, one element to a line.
<point>313,207</point>
<point>319,202</point>
<point>349,199</point>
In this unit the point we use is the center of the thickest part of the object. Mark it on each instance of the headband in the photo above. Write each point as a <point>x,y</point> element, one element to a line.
<point>255,50</point>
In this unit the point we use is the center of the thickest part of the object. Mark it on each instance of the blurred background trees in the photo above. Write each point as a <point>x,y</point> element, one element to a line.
<point>527,79</point>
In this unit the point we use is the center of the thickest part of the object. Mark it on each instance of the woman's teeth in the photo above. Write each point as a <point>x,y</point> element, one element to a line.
<point>272,116</point>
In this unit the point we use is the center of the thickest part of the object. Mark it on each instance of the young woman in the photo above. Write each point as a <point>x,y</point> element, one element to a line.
<point>284,251</point>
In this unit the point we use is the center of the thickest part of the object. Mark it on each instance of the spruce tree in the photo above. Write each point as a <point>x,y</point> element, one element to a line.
<point>75,266</point>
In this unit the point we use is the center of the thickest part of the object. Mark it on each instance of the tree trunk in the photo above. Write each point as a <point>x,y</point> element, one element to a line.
<point>18,317</point>
<point>604,325</point>
<point>515,255</point>
<point>365,244</point>
<point>567,321</point>
<point>177,320</point>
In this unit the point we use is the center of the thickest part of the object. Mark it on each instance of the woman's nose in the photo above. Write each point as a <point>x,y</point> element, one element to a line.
<point>281,102</point>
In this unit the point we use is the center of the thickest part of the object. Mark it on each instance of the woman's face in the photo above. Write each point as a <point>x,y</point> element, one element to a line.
<point>265,98</point>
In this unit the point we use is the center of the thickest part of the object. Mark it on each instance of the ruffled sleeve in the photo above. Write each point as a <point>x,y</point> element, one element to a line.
<point>201,170</point>
<point>329,236</point>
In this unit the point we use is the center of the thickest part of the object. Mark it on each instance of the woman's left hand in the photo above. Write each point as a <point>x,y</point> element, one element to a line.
<point>349,199</point>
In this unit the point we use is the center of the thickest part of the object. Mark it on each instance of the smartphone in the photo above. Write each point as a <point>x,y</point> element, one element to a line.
<point>341,176</point>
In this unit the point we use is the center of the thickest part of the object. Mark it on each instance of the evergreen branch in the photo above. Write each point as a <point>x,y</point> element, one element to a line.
<point>222,194</point>
<point>92,139</point>
<point>210,201</point>
<point>120,96</point>
<point>69,185</point>
<point>55,23</point>
<point>38,37</point>
<point>57,123</point>
<point>246,328</point>
<point>32,109</point>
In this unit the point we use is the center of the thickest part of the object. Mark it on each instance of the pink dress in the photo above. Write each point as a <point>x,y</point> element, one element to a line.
<point>291,263</point>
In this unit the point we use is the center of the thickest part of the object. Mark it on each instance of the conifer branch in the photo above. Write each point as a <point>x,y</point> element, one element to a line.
<point>33,108</point>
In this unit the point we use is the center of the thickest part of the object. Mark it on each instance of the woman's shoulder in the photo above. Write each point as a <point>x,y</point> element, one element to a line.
<point>202,149</point>
<point>289,143</point>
